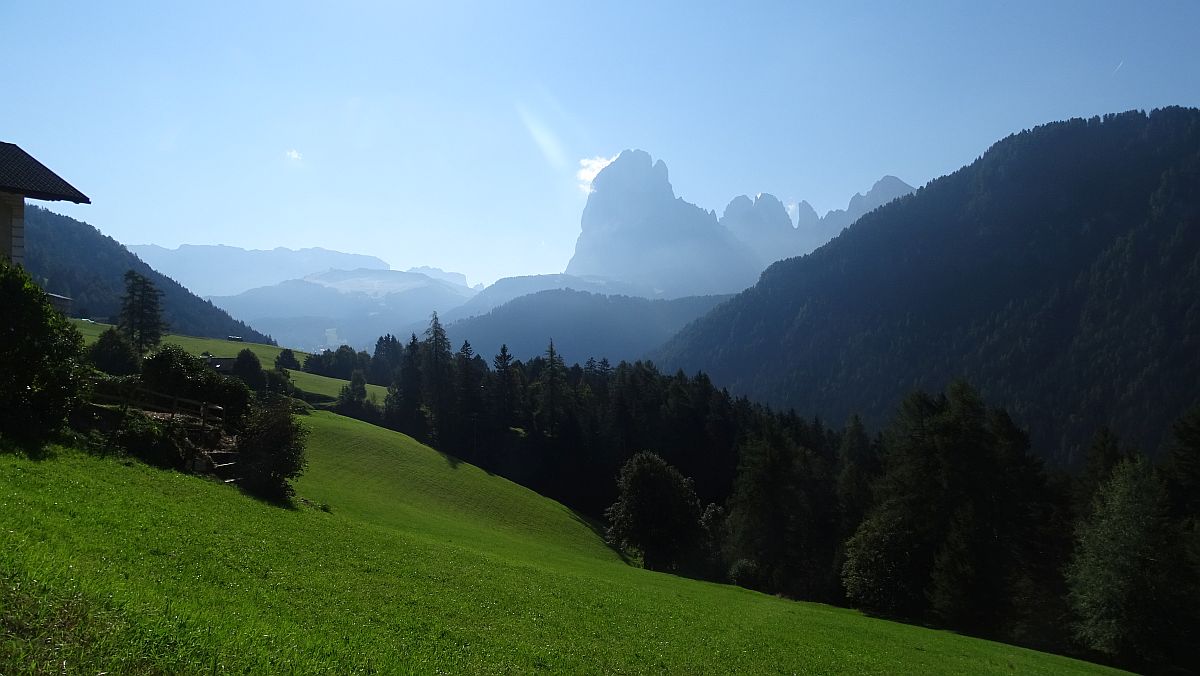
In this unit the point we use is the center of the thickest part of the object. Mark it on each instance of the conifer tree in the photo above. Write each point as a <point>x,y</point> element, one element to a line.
<point>552,392</point>
<point>505,390</point>
<point>436,360</point>
<point>141,313</point>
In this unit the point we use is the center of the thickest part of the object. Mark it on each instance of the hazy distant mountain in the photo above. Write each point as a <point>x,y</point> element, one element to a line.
<point>350,306</point>
<point>581,324</point>
<point>438,273</point>
<point>508,288</point>
<point>218,270</point>
<point>885,190</point>
<point>1059,273</point>
<point>764,225</point>
<point>635,230</point>
<point>74,259</point>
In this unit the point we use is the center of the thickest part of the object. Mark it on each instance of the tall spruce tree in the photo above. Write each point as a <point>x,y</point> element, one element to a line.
<point>506,390</point>
<point>141,312</point>
<point>552,385</point>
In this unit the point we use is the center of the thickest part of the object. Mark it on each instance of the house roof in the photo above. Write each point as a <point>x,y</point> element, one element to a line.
<point>23,175</point>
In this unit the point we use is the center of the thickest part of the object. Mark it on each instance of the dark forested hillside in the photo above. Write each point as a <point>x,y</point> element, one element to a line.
<point>74,259</point>
<point>1060,272</point>
<point>583,324</point>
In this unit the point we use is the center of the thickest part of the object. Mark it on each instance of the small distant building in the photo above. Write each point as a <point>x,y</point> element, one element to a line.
<point>222,365</point>
<point>21,178</point>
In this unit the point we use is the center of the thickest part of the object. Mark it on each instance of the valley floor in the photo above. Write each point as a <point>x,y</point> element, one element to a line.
<point>396,558</point>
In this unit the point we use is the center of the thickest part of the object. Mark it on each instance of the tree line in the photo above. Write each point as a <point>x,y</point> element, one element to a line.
<point>945,516</point>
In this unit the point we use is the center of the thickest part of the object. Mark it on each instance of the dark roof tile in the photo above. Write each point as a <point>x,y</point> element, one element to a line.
<point>21,174</point>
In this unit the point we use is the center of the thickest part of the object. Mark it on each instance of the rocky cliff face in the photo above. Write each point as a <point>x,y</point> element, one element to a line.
<point>635,230</point>
<point>764,226</point>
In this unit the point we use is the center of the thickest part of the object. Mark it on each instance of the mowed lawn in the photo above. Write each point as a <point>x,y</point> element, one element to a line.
<point>217,347</point>
<point>421,563</point>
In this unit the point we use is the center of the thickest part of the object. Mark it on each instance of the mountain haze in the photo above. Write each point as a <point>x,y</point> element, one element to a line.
<point>350,306</point>
<point>1058,273</point>
<point>581,324</point>
<point>509,288</point>
<point>219,270</point>
<point>76,260</point>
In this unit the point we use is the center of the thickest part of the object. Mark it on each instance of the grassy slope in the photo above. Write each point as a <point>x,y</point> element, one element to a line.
<point>422,563</point>
<point>266,354</point>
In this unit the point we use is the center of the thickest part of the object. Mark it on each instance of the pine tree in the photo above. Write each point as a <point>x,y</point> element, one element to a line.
<point>857,468</point>
<point>141,314</point>
<point>402,406</point>
<point>505,390</point>
<point>436,360</point>
<point>552,385</point>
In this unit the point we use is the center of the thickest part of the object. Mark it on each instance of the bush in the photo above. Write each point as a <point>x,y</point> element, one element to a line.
<point>249,369</point>
<point>157,443</point>
<point>41,374</point>
<point>114,354</point>
<point>171,370</point>
<point>656,513</point>
<point>271,448</point>
<point>287,360</point>
<point>746,573</point>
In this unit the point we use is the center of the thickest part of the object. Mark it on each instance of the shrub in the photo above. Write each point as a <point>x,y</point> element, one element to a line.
<point>41,375</point>
<point>157,443</point>
<point>171,370</point>
<point>271,448</point>
<point>287,360</point>
<point>114,354</point>
<point>656,513</point>
<point>249,369</point>
<point>746,573</point>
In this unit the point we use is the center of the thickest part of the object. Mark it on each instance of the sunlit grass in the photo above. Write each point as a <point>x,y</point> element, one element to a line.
<point>420,563</point>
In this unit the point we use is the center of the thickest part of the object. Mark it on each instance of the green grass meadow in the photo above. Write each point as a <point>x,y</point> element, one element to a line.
<point>395,559</point>
<point>218,347</point>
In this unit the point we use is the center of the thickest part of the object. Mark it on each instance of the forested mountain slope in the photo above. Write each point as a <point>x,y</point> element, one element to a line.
<point>75,259</point>
<point>1059,272</point>
<point>581,324</point>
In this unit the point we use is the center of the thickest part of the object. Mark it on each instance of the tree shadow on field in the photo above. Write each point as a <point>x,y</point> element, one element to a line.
<point>451,460</point>
<point>288,502</point>
<point>38,448</point>
<point>598,529</point>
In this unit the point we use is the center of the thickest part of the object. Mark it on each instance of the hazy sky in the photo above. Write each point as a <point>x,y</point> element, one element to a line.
<point>452,134</point>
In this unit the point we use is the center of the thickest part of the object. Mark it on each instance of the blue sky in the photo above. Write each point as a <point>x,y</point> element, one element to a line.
<point>451,134</point>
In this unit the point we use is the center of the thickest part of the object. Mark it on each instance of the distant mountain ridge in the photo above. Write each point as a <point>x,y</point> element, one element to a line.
<point>509,288</point>
<point>1059,273</point>
<point>635,230</point>
<point>764,225</point>
<point>350,306</point>
<point>74,259</point>
<point>219,270</point>
<point>581,324</point>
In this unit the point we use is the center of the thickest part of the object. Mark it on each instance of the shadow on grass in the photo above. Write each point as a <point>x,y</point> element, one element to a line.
<point>283,498</point>
<point>33,449</point>
<point>598,529</point>
<point>451,460</point>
